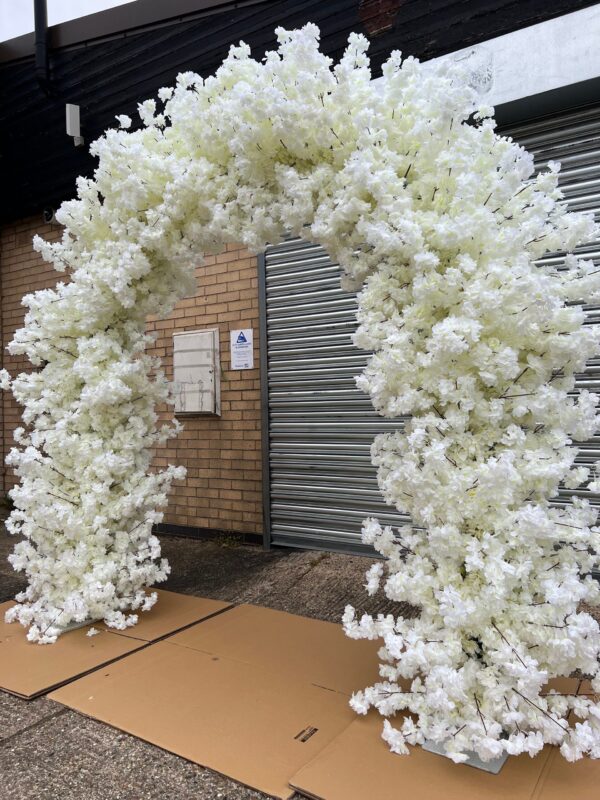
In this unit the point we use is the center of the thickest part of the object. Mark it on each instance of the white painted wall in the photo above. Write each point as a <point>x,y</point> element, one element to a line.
<point>536,59</point>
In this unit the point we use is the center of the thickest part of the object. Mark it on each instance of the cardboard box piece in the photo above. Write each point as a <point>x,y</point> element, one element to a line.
<point>303,649</point>
<point>252,693</point>
<point>255,726</point>
<point>262,697</point>
<point>29,670</point>
<point>358,764</point>
<point>580,780</point>
<point>171,612</point>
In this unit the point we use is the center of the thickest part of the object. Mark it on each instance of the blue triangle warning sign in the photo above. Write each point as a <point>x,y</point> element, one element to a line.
<point>241,339</point>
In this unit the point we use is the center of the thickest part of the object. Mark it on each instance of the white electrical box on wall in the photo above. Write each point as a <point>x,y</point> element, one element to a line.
<point>196,372</point>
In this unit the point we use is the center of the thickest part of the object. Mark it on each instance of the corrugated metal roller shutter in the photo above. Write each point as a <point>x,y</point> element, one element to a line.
<point>321,427</point>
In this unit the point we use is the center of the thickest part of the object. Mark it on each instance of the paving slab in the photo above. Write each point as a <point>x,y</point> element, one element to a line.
<point>70,757</point>
<point>16,715</point>
<point>309,583</point>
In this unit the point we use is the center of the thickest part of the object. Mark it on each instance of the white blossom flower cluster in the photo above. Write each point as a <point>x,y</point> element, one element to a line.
<point>439,222</point>
<point>481,346</point>
<point>86,503</point>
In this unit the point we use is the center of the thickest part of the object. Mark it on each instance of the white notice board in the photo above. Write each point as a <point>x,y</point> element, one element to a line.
<point>242,354</point>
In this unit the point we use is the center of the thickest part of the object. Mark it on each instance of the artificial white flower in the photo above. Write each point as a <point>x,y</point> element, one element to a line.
<point>438,223</point>
<point>5,380</point>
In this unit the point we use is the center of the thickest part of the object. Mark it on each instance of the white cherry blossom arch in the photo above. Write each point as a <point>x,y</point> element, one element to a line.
<point>437,222</point>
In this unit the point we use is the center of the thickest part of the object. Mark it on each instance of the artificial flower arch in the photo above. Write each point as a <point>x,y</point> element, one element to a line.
<point>437,222</point>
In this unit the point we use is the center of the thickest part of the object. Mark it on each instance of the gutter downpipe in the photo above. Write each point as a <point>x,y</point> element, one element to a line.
<point>42,67</point>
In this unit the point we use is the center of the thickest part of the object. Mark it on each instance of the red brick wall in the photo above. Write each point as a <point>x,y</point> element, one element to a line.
<point>223,489</point>
<point>21,271</point>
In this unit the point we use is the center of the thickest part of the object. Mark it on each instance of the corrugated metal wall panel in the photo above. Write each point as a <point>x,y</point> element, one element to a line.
<point>320,426</point>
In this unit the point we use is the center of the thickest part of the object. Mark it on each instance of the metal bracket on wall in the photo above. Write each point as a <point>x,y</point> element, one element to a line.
<point>73,124</point>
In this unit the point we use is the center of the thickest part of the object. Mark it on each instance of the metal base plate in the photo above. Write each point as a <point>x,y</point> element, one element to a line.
<point>494,766</point>
<point>72,626</point>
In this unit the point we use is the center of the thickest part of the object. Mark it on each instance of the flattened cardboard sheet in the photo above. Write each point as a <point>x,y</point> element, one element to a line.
<point>28,670</point>
<point>563,686</point>
<point>170,613</point>
<point>580,780</point>
<point>358,765</point>
<point>303,649</point>
<point>255,726</point>
<point>585,688</point>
